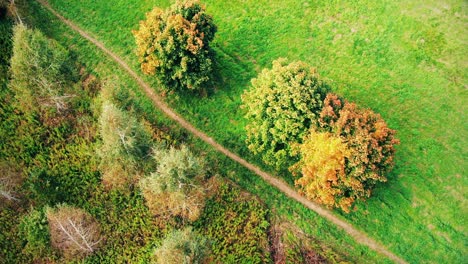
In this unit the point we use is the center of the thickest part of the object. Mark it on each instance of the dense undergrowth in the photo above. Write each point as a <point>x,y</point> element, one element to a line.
<point>402,59</point>
<point>53,157</point>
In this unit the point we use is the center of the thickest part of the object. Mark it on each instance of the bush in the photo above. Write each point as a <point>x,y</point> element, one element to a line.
<point>173,189</point>
<point>73,231</point>
<point>41,70</point>
<point>35,230</point>
<point>125,144</point>
<point>282,105</point>
<point>174,45</point>
<point>182,246</point>
<point>340,169</point>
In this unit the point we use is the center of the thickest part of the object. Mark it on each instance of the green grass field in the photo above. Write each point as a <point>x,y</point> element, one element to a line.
<point>404,60</point>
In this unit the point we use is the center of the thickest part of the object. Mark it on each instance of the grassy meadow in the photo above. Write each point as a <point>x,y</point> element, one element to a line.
<point>404,60</point>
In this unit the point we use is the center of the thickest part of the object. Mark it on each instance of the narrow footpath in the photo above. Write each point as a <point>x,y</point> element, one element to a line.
<point>359,236</point>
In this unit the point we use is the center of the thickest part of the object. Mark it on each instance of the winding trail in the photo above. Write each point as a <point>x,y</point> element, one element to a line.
<point>359,236</point>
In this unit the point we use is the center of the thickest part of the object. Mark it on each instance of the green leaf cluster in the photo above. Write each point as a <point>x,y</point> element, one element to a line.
<point>283,103</point>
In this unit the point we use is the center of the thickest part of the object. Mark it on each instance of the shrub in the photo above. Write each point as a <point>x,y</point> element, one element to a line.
<point>182,246</point>
<point>339,169</point>
<point>173,189</point>
<point>73,231</point>
<point>174,45</point>
<point>34,229</point>
<point>125,144</point>
<point>40,69</point>
<point>282,105</point>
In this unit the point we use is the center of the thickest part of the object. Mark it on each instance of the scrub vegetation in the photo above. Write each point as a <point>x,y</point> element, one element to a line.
<point>365,115</point>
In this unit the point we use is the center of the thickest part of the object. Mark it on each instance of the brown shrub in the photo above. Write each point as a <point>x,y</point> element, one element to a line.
<point>73,231</point>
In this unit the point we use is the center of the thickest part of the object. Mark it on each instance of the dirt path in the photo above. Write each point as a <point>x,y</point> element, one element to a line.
<point>359,236</point>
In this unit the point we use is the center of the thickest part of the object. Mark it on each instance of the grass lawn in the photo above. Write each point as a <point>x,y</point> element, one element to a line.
<point>404,60</point>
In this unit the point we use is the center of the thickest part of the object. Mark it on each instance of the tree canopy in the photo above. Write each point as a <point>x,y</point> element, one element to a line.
<point>174,45</point>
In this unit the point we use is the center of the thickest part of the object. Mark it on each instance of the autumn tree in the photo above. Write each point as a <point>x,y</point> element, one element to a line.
<point>174,45</point>
<point>182,246</point>
<point>322,170</point>
<point>125,144</point>
<point>41,70</point>
<point>371,141</point>
<point>73,231</point>
<point>174,189</point>
<point>343,163</point>
<point>283,103</point>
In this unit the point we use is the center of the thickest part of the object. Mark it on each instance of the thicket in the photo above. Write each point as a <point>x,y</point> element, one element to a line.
<point>35,231</point>
<point>283,103</point>
<point>52,149</point>
<point>322,164</point>
<point>174,45</point>
<point>359,154</point>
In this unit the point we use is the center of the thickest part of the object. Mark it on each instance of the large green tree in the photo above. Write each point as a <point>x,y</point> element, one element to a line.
<point>283,103</point>
<point>174,45</point>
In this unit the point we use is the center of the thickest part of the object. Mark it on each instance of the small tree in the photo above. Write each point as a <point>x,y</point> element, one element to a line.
<point>173,189</point>
<point>73,231</point>
<point>182,246</point>
<point>174,45</point>
<point>41,70</point>
<point>125,144</point>
<point>282,105</point>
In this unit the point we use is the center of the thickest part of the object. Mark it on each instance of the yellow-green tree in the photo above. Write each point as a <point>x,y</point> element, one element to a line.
<point>174,45</point>
<point>282,105</point>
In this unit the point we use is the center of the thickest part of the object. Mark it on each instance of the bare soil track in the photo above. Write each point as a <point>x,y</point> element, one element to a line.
<point>359,236</point>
